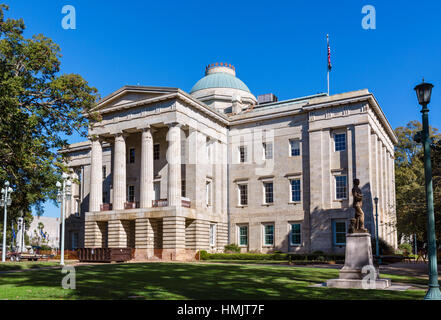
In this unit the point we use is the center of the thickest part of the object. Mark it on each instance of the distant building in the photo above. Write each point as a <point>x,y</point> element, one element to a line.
<point>169,173</point>
<point>51,227</point>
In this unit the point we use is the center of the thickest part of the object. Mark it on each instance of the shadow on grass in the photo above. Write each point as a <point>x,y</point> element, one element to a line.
<point>187,281</point>
<point>11,266</point>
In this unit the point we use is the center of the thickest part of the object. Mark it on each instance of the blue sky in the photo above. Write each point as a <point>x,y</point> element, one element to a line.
<point>277,46</point>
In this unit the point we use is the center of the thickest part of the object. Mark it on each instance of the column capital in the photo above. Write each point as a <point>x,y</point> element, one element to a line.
<point>147,128</point>
<point>174,124</point>
<point>120,135</point>
<point>95,137</point>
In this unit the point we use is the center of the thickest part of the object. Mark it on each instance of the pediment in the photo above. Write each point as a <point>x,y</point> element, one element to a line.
<point>130,94</point>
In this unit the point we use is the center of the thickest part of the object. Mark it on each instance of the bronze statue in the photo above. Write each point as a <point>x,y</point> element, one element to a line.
<point>357,224</point>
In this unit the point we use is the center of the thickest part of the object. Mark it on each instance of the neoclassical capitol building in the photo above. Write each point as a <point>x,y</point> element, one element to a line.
<point>168,173</point>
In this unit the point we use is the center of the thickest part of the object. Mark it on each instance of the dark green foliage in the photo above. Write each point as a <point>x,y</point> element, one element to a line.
<point>410,183</point>
<point>203,255</point>
<point>232,248</point>
<point>384,247</point>
<point>406,248</point>
<point>38,106</point>
<point>271,256</point>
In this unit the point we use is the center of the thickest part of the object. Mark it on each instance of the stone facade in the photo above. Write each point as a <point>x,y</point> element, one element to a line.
<point>168,175</point>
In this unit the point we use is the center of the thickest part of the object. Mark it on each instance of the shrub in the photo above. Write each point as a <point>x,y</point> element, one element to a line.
<point>406,248</point>
<point>271,256</point>
<point>203,255</point>
<point>318,252</point>
<point>232,248</point>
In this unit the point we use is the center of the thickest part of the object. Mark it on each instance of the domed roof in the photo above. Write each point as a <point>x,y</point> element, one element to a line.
<point>220,77</point>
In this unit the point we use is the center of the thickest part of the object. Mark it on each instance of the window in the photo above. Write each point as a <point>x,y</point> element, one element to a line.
<point>243,235</point>
<point>243,194</point>
<point>296,234</point>
<point>77,207</point>
<point>131,194</point>
<point>157,190</point>
<point>340,141</point>
<point>208,193</point>
<point>295,190</point>
<point>268,235</point>
<point>104,172</point>
<point>212,234</point>
<point>294,147</point>
<point>104,197</point>
<point>340,187</point>
<point>183,193</point>
<point>156,151</point>
<point>132,155</point>
<point>242,154</point>
<point>74,240</point>
<point>339,232</point>
<point>268,150</point>
<point>268,188</point>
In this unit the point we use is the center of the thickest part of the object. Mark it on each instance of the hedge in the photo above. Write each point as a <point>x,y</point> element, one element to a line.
<point>270,256</point>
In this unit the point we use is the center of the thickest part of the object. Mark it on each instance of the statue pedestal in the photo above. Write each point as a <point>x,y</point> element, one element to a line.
<point>359,271</point>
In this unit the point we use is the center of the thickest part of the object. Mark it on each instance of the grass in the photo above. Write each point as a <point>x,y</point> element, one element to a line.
<point>278,262</point>
<point>189,281</point>
<point>10,266</point>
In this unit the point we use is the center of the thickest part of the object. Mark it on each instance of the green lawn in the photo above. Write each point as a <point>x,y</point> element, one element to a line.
<point>189,281</point>
<point>9,266</point>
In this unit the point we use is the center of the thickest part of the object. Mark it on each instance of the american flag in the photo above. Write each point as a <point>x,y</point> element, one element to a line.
<point>329,54</point>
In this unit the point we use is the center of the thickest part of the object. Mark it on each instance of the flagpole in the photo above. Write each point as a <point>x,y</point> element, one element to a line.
<point>328,81</point>
<point>328,53</point>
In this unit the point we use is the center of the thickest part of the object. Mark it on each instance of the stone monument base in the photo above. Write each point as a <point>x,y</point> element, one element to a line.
<point>358,284</point>
<point>359,265</point>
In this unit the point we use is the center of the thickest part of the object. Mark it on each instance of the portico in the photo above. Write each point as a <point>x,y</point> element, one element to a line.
<point>150,202</point>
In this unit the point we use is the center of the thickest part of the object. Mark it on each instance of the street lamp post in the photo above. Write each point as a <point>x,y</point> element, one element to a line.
<point>376,230</point>
<point>424,91</point>
<point>5,202</point>
<point>64,193</point>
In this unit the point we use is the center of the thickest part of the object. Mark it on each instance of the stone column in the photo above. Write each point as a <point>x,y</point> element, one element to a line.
<point>146,174</point>
<point>144,239</point>
<point>117,234</point>
<point>92,235</point>
<point>173,240</point>
<point>96,176</point>
<point>198,235</point>
<point>174,165</point>
<point>119,172</point>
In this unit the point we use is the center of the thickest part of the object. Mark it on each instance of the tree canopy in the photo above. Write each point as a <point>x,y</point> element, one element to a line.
<point>38,105</point>
<point>410,183</point>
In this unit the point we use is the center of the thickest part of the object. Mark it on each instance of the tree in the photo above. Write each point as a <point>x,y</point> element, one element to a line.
<point>410,183</point>
<point>37,106</point>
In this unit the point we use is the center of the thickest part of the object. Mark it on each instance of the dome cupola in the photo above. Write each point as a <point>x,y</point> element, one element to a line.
<point>219,86</point>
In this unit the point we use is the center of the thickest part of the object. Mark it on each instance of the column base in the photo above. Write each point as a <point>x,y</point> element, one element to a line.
<point>143,254</point>
<point>178,255</point>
